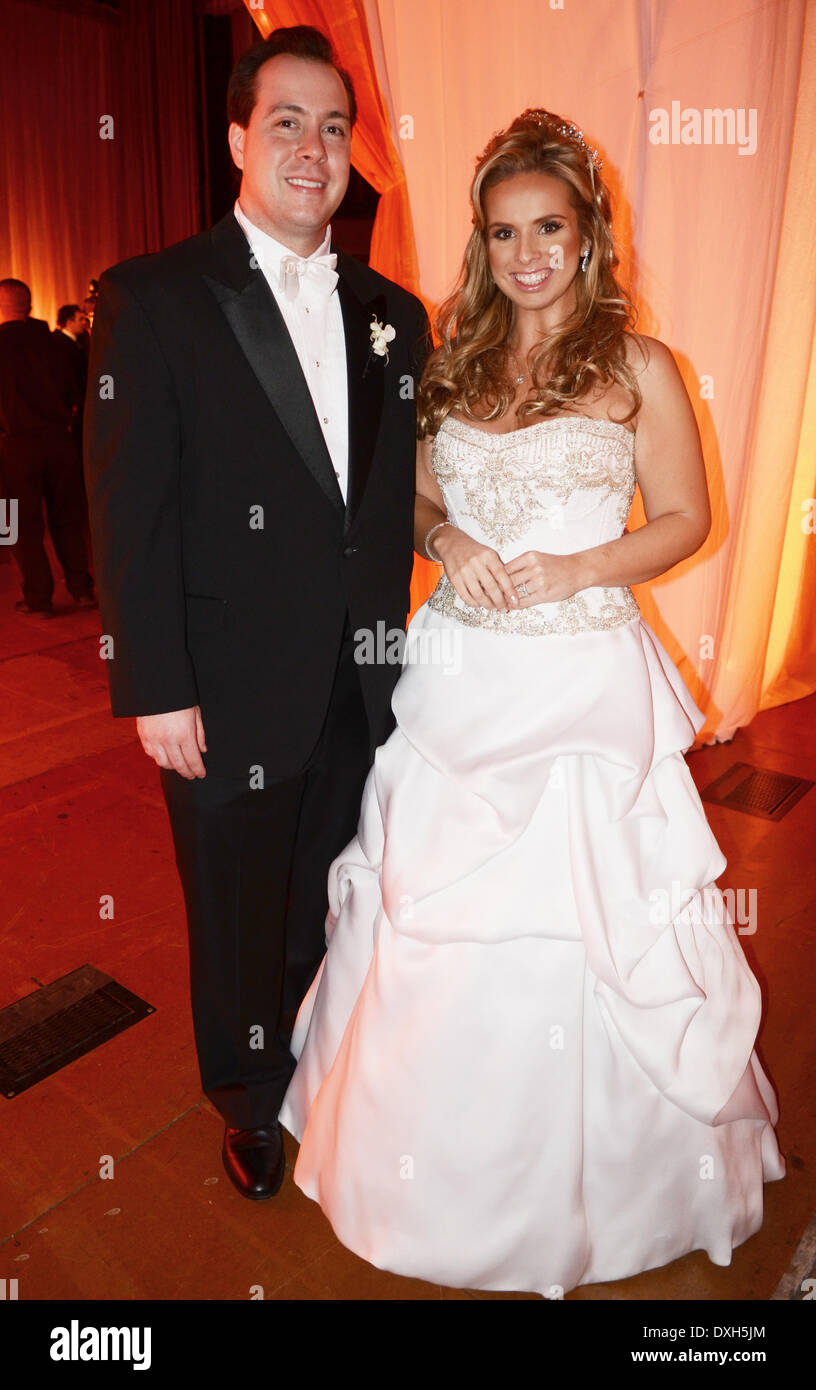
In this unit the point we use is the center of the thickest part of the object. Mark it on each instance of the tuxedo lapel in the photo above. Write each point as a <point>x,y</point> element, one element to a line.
<point>365,375</point>
<point>250,309</point>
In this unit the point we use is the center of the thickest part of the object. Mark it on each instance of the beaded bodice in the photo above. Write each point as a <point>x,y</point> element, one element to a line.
<point>560,485</point>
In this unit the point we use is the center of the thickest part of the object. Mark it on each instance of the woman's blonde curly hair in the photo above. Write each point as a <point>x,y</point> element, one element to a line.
<point>471,363</point>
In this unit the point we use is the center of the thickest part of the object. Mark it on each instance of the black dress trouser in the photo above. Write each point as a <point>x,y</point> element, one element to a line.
<point>254,866</point>
<point>46,468</point>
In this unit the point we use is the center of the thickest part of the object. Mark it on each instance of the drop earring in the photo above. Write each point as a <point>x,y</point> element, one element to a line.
<point>585,259</point>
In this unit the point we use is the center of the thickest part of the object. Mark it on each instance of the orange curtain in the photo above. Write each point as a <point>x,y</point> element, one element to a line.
<point>73,203</point>
<point>393,248</point>
<point>716,243</point>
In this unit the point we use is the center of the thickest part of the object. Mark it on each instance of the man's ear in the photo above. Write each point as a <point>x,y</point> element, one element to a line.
<point>235,139</point>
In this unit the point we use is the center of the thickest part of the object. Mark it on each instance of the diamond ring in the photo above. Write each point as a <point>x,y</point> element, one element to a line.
<point>523,590</point>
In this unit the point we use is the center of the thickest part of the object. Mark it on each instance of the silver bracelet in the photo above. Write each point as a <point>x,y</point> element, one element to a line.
<point>433,530</point>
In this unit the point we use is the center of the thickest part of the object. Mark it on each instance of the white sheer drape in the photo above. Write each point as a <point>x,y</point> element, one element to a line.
<point>718,249</point>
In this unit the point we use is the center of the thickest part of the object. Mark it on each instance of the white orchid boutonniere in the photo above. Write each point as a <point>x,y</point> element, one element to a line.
<point>381,335</point>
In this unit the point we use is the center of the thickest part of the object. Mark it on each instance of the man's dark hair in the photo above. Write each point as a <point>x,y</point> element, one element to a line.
<point>65,313</point>
<point>18,289</point>
<point>302,41</point>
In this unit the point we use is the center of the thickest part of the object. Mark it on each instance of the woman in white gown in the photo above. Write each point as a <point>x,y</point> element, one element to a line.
<point>527,1059</point>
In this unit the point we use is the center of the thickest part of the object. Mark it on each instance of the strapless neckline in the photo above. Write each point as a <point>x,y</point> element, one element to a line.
<point>595,420</point>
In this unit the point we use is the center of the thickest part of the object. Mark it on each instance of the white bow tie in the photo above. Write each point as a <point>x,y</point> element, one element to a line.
<point>318,270</point>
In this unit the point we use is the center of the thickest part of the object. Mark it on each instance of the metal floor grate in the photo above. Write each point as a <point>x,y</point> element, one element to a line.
<point>757,791</point>
<point>54,1025</point>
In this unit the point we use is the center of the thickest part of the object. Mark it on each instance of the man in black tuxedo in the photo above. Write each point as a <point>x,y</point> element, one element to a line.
<point>40,464</point>
<point>71,341</point>
<point>70,338</point>
<point>249,460</point>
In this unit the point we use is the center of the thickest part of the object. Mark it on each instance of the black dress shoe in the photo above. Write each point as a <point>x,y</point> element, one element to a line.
<point>45,611</point>
<point>254,1160</point>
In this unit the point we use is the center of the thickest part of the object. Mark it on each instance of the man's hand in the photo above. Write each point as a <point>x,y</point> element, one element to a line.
<point>173,740</point>
<point>475,571</point>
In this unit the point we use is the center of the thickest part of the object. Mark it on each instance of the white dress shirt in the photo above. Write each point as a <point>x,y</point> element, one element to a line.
<point>315,325</point>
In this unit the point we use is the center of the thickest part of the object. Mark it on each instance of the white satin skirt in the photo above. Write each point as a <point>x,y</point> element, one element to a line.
<point>527,1059</point>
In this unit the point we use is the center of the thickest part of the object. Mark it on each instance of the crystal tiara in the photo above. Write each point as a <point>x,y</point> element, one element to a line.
<point>548,121</point>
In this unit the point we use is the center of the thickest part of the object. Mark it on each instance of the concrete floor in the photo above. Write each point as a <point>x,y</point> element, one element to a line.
<point>81,814</point>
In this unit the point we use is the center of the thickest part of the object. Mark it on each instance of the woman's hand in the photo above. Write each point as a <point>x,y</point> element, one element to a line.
<point>548,578</point>
<point>476,572</point>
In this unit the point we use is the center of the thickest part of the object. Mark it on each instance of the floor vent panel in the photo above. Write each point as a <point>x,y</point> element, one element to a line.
<point>54,1025</point>
<point>757,791</point>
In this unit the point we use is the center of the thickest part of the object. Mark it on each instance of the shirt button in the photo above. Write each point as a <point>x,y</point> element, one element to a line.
<point>306,308</point>
<point>325,419</point>
<point>317,364</point>
<point>350,550</point>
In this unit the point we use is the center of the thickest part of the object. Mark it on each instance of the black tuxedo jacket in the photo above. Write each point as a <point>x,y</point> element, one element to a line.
<point>35,387</point>
<point>76,364</point>
<point>225,558</point>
